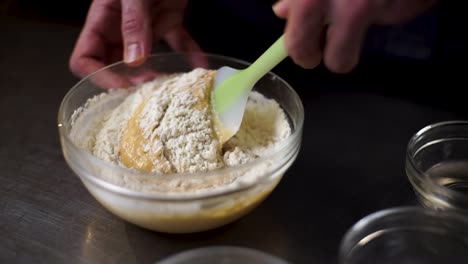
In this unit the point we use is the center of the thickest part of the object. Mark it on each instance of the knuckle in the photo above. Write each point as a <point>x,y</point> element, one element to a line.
<point>304,53</point>
<point>340,67</point>
<point>307,60</point>
<point>311,63</point>
<point>131,22</point>
<point>295,53</point>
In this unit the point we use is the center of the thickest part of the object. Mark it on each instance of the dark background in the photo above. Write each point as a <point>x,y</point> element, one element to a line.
<point>412,58</point>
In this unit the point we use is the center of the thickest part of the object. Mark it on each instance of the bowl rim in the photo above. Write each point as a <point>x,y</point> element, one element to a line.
<point>353,234</point>
<point>297,132</point>
<point>216,250</point>
<point>422,175</point>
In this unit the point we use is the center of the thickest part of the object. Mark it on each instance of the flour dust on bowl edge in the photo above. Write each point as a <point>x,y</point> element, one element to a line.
<point>407,235</point>
<point>222,254</point>
<point>178,212</point>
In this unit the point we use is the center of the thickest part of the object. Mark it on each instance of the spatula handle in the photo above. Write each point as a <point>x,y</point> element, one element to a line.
<point>268,60</point>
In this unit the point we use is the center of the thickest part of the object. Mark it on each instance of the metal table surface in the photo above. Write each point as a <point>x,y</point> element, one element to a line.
<point>351,164</point>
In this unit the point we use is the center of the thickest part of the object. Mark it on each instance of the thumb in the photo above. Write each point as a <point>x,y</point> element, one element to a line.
<point>136,31</point>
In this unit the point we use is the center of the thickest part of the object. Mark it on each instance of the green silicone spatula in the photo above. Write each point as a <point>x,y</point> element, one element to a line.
<point>232,87</point>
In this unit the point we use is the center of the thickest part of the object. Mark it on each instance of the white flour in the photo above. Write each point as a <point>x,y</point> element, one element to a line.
<point>165,126</point>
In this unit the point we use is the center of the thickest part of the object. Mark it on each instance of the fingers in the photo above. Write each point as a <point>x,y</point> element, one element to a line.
<point>169,25</point>
<point>180,40</point>
<point>89,53</point>
<point>136,31</point>
<point>303,32</point>
<point>348,24</point>
<point>143,76</point>
<point>281,8</point>
<point>83,66</point>
<point>107,79</point>
<point>88,44</point>
<point>346,34</point>
<point>80,63</point>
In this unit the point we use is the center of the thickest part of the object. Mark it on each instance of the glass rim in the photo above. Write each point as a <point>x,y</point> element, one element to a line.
<point>426,129</point>
<point>209,251</point>
<point>353,236</point>
<point>289,141</point>
<point>420,174</point>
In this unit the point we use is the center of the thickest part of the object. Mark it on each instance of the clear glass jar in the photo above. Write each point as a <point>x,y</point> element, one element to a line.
<point>437,165</point>
<point>228,255</point>
<point>407,235</point>
<point>177,213</point>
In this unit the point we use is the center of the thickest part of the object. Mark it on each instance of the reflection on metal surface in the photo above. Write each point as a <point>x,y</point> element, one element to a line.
<point>89,234</point>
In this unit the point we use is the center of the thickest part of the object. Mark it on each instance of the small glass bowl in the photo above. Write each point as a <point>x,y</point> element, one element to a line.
<point>407,235</point>
<point>177,212</point>
<point>222,254</point>
<point>437,165</point>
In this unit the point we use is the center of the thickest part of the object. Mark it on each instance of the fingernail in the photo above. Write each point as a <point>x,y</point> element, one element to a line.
<point>133,53</point>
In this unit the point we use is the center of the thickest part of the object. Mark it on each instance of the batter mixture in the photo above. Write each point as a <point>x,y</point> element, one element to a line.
<point>165,126</point>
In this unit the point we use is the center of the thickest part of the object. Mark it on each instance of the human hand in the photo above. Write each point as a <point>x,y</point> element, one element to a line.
<point>334,30</point>
<point>126,29</point>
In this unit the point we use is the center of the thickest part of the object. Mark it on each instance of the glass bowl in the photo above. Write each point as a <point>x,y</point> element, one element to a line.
<point>407,235</point>
<point>177,212</point>
<point>437,165</point>
<point>222,254</point>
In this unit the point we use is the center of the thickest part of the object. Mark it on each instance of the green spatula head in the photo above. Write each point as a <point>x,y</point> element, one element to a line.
<point>232,88</point>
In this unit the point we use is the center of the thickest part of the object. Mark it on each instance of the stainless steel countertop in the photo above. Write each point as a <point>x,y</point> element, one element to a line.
<point>351,164</point>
